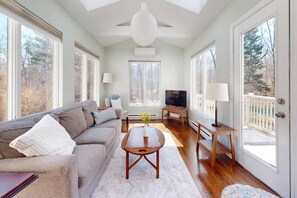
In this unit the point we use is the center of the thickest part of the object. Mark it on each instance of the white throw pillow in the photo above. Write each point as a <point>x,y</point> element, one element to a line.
<point>116,104</point>
<point>46,137</point>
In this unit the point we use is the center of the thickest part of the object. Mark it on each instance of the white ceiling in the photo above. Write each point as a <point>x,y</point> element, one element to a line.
<point>110,24</point>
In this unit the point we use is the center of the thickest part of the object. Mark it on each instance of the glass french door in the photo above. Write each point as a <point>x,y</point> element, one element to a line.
<point>261,93</point>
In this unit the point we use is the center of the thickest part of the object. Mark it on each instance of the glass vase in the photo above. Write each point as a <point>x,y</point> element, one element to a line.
<point>145,130</point>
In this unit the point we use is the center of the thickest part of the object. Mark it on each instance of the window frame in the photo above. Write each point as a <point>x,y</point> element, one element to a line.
<point>193,64</point>
<point>14,102</point>
<point>144,104</point>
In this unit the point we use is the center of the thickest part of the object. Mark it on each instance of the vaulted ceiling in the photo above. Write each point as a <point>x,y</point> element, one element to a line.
<point>109,20</point>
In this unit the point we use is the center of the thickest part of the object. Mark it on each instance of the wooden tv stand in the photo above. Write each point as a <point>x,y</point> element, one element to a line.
<point>183,112</point>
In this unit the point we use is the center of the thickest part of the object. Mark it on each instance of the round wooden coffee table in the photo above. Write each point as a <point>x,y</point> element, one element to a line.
<point>136,144</point>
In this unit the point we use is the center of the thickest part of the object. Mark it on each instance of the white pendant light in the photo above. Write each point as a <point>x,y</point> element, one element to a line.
<point>144,27</point>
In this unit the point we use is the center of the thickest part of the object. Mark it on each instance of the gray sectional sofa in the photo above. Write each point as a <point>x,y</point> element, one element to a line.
<point>74,175</point>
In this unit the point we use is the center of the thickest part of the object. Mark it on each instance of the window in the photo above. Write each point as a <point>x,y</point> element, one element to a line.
<point>3,68</point>
<point>144,83</point>
<point>29,58</point>
<point>86,68</point>
<point>259,82</point>
<point>36,72</point>
<point>203,71</point>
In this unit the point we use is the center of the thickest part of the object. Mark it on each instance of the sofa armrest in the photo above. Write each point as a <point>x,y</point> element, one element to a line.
<point>57,175</point>
<point>56,165</point>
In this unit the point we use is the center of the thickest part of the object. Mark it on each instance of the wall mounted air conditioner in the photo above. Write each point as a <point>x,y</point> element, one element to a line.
<point>144,52</point>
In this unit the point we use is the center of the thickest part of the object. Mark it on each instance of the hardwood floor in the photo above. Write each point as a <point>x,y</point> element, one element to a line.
<point>210,181</point>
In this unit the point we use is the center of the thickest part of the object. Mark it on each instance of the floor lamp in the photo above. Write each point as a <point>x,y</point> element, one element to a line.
<point>217,92</point>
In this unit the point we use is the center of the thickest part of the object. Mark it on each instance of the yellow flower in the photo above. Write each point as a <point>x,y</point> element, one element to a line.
<point>145,117</point>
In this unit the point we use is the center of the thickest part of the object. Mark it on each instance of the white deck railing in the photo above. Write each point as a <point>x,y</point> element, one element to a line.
<point>209,107</point>
<point>259,113</point>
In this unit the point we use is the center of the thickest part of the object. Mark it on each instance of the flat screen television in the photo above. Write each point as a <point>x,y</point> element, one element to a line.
<point>176,98</point>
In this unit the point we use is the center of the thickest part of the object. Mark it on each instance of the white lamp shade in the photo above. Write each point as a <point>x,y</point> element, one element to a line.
<point>217,91</point>
<point>107,78</point>
<point>144,27</point>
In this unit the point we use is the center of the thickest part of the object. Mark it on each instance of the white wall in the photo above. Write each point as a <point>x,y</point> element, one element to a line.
<point>117,62</point>
<point>51,12</point>
<point>218,31</point>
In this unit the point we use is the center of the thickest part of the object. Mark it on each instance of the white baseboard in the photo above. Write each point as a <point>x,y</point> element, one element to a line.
<point>203,132</point>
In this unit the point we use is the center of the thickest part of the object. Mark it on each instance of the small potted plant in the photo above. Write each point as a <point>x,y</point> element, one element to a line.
<point>146,120</point>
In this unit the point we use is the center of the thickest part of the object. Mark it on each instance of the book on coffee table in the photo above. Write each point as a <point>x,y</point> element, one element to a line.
<point>12,183</point>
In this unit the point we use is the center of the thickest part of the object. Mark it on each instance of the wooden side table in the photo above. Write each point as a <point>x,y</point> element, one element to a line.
<point>183,112</point>
<point>102,108</point>
<point>212,145</point>
<point>12,183</point>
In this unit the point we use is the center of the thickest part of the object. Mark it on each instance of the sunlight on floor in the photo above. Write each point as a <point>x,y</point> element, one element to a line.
<point>265,152</point>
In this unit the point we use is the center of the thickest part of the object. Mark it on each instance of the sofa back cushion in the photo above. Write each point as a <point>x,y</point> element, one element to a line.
<point>9,132</point>
<point>88,106</point>
<point>73,120</point>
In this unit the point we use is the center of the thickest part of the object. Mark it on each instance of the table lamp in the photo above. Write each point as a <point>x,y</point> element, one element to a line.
<point>217,92</point>
<point>107,78</point>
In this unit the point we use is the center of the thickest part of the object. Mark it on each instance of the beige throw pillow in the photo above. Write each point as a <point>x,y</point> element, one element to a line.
<point>47,137</point>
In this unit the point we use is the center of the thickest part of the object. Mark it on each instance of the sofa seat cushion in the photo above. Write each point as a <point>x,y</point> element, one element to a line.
<point>73,120</point>
<point>96,136</point>
<point>115,124</point>
<point>89,159</point>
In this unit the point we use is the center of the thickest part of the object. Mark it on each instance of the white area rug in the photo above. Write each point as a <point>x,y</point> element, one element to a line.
<point>174,181</point>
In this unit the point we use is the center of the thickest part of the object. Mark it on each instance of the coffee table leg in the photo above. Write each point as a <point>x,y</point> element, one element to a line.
<point>127,165</point>
<point>157,159</point>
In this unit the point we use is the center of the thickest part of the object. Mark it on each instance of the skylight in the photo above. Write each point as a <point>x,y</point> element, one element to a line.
<point>94,4</point>
<point>192,5</point>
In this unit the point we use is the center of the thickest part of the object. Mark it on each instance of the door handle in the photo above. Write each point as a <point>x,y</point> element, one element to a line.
<point>280,114</point>
<point>281,101</point>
